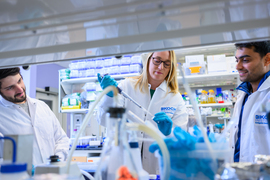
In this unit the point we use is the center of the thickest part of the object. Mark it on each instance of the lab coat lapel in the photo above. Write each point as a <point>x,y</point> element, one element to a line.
<point>32,108</point>
<point>265,85</point>
<point>159,93</point>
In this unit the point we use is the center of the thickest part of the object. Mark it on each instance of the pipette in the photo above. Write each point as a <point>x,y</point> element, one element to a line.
<point>132,100</point>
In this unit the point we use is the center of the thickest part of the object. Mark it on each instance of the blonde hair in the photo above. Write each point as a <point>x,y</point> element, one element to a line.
<point>171,78</point>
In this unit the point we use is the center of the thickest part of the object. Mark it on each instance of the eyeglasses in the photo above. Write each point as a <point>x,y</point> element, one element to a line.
<point>157,61</point>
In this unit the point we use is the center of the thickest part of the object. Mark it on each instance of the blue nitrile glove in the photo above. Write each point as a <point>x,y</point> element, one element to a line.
<point>164,123</point>
<point>168,141</point>
<point>182,141</point>
<point>107,81</point>
<point>197,132</point>
<point>199,136</point>
<point>185,143</point>
<point>219,126</point>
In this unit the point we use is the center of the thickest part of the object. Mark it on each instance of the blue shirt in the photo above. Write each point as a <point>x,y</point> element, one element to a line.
<point>247,88</point>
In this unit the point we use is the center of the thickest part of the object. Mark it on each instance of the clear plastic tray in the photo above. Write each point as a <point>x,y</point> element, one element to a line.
<point>189,165</point>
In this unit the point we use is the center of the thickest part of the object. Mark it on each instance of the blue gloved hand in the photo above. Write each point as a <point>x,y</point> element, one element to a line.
<point>107,81</point>
<point>220,126</point>
<point>185,140</point>
<point>182,141</point>
<point>168,141</point>
<point>164,123</point>
<point>199,136</point>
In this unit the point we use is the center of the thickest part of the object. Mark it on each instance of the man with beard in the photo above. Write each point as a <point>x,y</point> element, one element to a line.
<point>250,136</point>
<point>20,114</point>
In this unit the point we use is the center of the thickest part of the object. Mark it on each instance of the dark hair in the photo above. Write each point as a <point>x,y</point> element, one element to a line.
<point>262,47</point>
<point>8,72</point>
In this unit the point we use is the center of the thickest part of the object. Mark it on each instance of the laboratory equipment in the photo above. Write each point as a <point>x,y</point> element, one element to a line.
<point>190,158</point>
<point>24,150</point>
<point>244,171</point>
<point>13,170</point>
<point>116,156</point>
<point>55,166</point>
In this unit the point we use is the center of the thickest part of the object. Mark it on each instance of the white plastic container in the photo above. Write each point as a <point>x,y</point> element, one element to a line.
<point>81,65</point>
<point>194,69</point>
<point>74,74</point>
<point>116,62</point>
<point>108,62</point>
<point>126,60</point>
<point>14,171</point>
<point>136,155</point>
<point>100,71</point>
<point>91,86</point>
<point>82,74</point>
<point>99,63</point>
<point>135,68</point>
<point>136,60</point>
<point>90,73</point>
<point>73,65</point>
<point>124,69</point>
<point>115,70</point>
<point>90,64</point>
<point>107,70</point>
<point>152,177</point>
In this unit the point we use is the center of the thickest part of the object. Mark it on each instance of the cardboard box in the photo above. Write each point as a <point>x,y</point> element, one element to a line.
<point>79,158</point>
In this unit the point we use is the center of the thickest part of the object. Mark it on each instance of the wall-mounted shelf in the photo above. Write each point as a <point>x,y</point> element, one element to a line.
<point>67,84</point>
<point>91,79</point>
<point>84,111</point>
<point>213,105</point>
<point>85,152</point>
<point>204,80</point>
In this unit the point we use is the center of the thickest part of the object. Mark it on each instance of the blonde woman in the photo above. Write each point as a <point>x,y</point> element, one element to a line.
<point>156,89</point>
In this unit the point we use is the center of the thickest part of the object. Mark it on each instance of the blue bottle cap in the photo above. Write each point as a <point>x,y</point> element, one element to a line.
<point>13,168</point>
<point>134,144</point>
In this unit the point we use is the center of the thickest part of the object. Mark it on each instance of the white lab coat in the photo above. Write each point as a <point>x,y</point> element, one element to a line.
<point>49,137</point>
<point>255,135</point>
<point>159,102</point>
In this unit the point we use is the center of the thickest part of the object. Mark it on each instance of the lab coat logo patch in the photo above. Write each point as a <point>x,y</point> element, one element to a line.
<point>260,119</point>
<point>168,110</point>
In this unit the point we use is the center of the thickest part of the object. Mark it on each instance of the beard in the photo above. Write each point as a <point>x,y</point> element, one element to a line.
<point>16,98</point>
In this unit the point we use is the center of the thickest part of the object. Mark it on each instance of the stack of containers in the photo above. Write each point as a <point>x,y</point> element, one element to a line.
<point>108,62</point>
<point>74,72</point>
<point>135,64</point>
<point>90,89</point>
<point>64,74</point>
<point>113,66</point>
<point>90,66</point>
<point>99,66</point>
<point>82,68</point>
<point>125,63</point>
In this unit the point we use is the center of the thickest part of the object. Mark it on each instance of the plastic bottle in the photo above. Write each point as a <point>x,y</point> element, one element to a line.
<point>152,177</point>
<point>211,97</point>
<point>204,97</point>
<point>220,98</point>
<point>74,134</point>
<point>187,99</point>
<point>136,155</point>
<point>13,171</point>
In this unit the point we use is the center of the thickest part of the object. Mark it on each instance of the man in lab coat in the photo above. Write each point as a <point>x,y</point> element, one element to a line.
<point>156,89</point>
<point>20,114</point>
<point>250,135</point>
